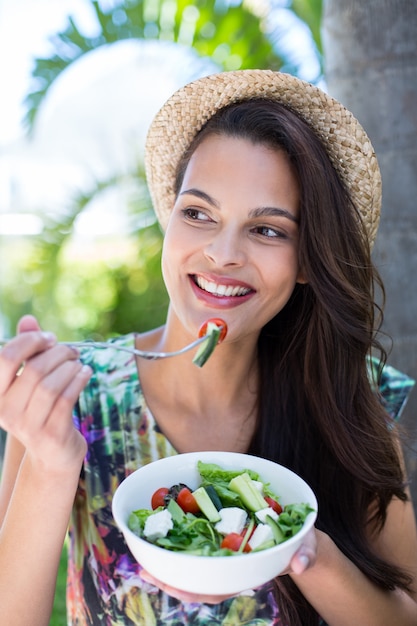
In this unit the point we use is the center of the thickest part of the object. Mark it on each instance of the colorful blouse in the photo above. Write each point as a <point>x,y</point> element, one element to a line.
<point>104,586</point>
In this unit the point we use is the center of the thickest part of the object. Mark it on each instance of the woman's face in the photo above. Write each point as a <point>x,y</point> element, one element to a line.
<point>231,246</point>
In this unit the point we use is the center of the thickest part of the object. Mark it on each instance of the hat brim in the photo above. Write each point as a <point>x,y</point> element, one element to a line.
<point>188,109</point>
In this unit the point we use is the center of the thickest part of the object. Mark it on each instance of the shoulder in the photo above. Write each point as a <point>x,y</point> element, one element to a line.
<point>393,387</point>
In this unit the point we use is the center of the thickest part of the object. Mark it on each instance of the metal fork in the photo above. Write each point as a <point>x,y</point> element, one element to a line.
<point>151,356</point>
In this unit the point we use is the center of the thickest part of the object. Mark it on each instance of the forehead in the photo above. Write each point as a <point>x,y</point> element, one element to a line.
<point>238,151</point>
<point>231,170</point>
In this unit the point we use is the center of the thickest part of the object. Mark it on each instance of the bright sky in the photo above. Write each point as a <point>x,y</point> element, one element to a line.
<point>25,26</point>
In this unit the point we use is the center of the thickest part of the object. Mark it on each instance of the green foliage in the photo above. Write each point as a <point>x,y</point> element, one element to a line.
<point>77,295</point>
<point>232,36</point>
<point>93,288</point>
<point>310,12</point>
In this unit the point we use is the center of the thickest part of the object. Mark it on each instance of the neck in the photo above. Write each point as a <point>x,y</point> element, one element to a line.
<point>214,406</point>
<point>230,371</point>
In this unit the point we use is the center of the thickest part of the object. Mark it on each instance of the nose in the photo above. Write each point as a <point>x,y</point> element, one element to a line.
<point>226,248</point>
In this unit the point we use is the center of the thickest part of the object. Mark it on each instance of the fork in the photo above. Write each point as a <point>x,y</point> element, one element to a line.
<point>151,356</point>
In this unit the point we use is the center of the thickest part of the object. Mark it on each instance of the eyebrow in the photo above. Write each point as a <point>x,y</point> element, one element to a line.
<point>254,213</point>
<point>272,211</point>
<point>202,195</point>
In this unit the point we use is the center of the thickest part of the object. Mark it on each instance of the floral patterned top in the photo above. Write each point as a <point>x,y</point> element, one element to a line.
<point>104,587</point>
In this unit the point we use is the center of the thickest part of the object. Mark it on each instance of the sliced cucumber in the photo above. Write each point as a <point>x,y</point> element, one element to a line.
<point>207,347</point>
<point>279,536</point>
<point>176,511</point>
<point>248,492</point>
<point>206,505</point>
<point>214,497</point>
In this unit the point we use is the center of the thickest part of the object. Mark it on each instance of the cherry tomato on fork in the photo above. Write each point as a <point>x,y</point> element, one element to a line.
<point>158,497</point>
<point>218,322</point>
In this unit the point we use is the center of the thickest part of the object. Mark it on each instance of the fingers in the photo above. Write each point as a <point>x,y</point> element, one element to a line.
<point>14,353</point>
<point>36,406</point>
<point>26,323</point>
<point>301,561</point>
<point>53,433</point>
<point>37,397</point>
<point>58,393</point>
<point>305,556</point>
<point>18,351</point>
<point>43,371</point>
<point>184,596</point>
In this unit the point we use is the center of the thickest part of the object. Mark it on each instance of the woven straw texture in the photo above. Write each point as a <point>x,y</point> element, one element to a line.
<point>344,139</point>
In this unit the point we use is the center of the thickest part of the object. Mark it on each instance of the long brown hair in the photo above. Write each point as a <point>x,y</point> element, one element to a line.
<point>318,413</point>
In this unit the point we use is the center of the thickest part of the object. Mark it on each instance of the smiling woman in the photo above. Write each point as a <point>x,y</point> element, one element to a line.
<point>233,250</point>
<point>269,195</point>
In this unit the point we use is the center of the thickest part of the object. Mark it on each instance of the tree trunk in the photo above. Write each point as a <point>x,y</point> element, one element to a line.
<point>370,51</point>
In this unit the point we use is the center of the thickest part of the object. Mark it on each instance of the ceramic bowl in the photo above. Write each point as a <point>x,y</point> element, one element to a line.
<point>210,574</point>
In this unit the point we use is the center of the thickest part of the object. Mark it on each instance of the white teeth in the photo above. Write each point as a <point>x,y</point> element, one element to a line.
<point>220,290</point>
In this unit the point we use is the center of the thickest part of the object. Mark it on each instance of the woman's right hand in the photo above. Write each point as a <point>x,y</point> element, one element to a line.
<point>36,402</point>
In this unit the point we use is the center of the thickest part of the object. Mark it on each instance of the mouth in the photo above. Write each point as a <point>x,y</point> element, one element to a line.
<point>220,289</point>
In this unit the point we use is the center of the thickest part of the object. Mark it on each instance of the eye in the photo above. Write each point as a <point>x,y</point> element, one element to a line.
<point>195,215</point>
<point>269,232</point>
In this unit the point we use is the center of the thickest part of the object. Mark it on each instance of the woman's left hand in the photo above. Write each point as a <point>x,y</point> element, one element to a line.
<point>303,559</point>
<point>183,596</point>
<point>306,554</point>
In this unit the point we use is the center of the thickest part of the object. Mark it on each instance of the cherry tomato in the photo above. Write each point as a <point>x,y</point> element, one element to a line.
<point>275,506</point>
<point>218,322</point>
<point>158,497</point>
<point>233,541</point>
<point>187,502</point>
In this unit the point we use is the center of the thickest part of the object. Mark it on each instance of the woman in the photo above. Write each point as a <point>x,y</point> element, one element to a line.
<point>269,194</point>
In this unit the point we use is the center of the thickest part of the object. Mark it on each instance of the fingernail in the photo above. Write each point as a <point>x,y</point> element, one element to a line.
<point>86,370</point>
<point>304,561</point>
<point>50,337</point>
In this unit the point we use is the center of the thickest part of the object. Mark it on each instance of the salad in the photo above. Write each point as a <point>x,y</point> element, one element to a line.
<point>231,512</point>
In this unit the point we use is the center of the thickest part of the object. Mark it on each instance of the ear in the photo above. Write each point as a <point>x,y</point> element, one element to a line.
<point>301,279</point>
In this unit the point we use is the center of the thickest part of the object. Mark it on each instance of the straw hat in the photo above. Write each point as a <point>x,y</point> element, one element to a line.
<point>183,115</point>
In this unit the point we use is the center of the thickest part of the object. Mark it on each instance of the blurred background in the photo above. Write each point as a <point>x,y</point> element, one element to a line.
<point>80,83</point>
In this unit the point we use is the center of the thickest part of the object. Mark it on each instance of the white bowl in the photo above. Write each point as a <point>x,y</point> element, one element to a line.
<point>209,574</point>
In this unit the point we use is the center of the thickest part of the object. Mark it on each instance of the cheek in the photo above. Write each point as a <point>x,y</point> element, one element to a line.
<point>172,256</point>
<point>166,262</point>
<point>281,283</point>
<point>283,269</point>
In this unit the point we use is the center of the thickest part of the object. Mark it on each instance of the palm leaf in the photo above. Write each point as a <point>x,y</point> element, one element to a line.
<point>233,38</point>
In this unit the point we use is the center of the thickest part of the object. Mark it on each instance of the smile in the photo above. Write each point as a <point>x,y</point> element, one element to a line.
<point>218,289</point>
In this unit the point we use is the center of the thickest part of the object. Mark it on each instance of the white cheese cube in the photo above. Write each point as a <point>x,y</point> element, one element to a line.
<point>232,520</point>
<point>261,534</point>
<point>261,515</point>
<point>157,525</point>
<point>259,485</point>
